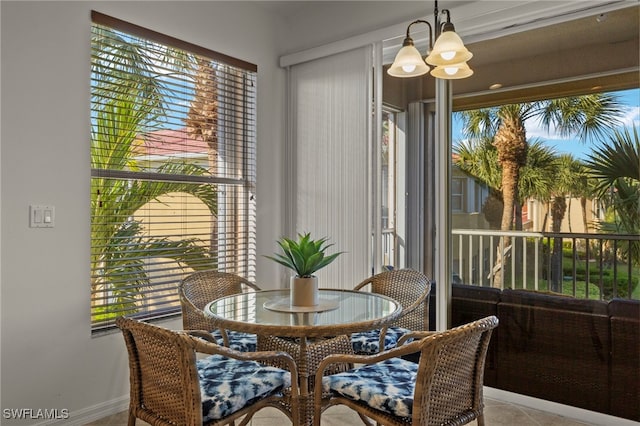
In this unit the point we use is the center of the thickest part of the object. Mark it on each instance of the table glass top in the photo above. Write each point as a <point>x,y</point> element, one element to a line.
<point>353,309</point>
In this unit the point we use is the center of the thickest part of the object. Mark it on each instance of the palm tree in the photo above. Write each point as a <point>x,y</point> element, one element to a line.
<point>583,188</point>
<point>583,116</point>
<point>566,183</point>
<point>122,109</point>
<point>615,167</point>
<point>478,158</point>
<point>537,177</point>
<point>563,184</point>
<point>202,120</point>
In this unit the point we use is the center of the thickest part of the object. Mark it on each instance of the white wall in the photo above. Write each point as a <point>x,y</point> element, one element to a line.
<point>320,22</point>
<point>48,357</point>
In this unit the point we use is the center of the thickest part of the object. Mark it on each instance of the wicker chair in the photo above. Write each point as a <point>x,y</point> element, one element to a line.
<point>444,387</point>
<point>169,385</point>
<point>411,289</point>
<point>200,288</point>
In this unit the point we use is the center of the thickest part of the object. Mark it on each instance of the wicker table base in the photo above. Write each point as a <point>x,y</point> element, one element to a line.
<point>308,353</point>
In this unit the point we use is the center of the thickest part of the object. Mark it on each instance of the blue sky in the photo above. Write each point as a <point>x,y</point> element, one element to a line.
<point>629,98</point>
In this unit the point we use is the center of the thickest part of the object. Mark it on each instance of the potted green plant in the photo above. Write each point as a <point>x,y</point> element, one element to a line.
<point>304,256</point>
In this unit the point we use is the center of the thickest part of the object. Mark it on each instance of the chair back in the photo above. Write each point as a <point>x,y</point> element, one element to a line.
<point>411,289</point>
<point>164,385</point>
<point>451,374</point>
<point>200,288</point>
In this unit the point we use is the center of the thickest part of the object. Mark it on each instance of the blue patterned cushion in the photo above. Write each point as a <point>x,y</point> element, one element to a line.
<point>243,342</point>
<point>368,342</point>
<point>387,386</point>
<point>227,385</point>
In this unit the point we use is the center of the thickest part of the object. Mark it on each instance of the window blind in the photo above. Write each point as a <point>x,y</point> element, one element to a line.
<point>331,102</point>
<point>173,168</point>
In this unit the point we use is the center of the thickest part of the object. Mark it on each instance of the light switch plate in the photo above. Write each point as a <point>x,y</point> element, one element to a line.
<point>42,216</point>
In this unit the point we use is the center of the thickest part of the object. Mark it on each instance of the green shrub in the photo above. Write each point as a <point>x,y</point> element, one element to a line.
<point>606,279</point>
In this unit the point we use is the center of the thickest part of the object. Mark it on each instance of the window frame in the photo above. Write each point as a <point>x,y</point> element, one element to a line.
<point>459,196</point>
<point>231,246</point>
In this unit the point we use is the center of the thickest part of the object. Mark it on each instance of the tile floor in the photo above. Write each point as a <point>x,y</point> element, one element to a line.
<point>497,413</point>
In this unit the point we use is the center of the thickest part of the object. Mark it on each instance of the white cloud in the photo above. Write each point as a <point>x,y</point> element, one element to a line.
<point>536,130</point>
<point>632,116</point>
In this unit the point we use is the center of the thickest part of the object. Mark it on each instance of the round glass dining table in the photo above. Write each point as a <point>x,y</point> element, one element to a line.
<point>308,334</point>
<point>268,312</point>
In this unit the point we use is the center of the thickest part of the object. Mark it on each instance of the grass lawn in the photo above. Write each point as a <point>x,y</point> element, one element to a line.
<point>599,275</point>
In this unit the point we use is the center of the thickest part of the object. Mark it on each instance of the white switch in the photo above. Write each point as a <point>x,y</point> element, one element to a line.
<point>41,216</point>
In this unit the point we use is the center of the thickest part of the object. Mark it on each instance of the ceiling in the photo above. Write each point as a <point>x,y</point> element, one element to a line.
<point>597,52</point>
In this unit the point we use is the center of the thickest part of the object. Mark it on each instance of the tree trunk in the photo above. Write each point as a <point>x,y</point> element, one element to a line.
<point>202,123</point>
<point>558,209</point>
<point>516,250</point>
<point>583,206</point>
<point>492,211</point>
<point>511,143</point>
<point>509,184</point>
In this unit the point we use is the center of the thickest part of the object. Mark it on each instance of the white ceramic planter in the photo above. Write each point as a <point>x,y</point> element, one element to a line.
<point>304,291</point>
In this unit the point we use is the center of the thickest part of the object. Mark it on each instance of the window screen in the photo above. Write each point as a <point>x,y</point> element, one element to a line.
<point>172,168</point>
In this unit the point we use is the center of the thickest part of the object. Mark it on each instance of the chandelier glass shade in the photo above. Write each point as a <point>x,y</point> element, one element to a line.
<point>449,49</point>
<point>448,55</point>
<point>408,62</point>
<point>453,71</point>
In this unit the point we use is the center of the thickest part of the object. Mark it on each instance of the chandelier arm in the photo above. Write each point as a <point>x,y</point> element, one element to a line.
<point>448,25</point>
<point>446,11</point>
<point>422,21</point>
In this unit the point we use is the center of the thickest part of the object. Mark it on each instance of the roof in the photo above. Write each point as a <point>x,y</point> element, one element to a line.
<point>169,142</point>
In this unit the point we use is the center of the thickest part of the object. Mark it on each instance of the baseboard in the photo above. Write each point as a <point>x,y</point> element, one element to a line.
<point>575,413</point>
<point>93,413</point>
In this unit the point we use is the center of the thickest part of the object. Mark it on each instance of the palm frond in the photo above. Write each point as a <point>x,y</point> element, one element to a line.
<point>615,166</point>
<point>617,159</point>
<point>589,117</point>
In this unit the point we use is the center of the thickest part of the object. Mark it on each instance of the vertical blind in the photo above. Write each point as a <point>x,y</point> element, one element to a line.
<point>331,104</point>
<point>173,168</point>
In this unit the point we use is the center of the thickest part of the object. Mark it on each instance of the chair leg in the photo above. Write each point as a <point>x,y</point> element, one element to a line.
<point>480,420</point>
<point>131,421</point>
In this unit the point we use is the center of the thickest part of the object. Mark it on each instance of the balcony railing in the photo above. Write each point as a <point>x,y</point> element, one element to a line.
<point>557,262</point>
<point>389,247</point>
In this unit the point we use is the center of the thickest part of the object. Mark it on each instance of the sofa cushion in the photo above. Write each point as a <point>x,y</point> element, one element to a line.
<point>470,303</point>
<point>555,347</point>
<point>625,358</point>
<point>545,300</point>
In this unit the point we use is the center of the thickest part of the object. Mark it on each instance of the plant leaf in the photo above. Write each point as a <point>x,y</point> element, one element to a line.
<point>304,256</point>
